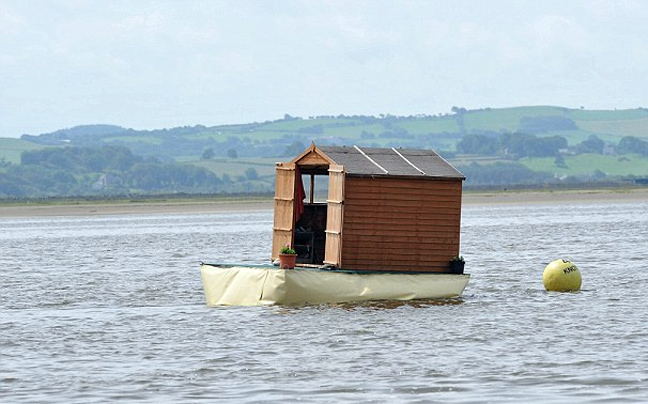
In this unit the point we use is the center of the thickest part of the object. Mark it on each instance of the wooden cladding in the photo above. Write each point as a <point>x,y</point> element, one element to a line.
<point>313,159</point>
<point>285,182</point>
<point>283,218</point>
<point>334,216</point>
<point>392,224</point>
<point>373,222</point>
<point>284,208</point>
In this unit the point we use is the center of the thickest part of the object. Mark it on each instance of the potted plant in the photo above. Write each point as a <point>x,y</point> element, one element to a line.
<point>287,257</point>
<point>457,265</point>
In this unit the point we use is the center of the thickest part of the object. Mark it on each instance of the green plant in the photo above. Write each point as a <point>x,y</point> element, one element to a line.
<point>457,258</point>
<point>287,250</point>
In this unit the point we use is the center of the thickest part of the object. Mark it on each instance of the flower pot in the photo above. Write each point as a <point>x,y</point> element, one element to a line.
<point>457,267</point>
<point>287,261</point>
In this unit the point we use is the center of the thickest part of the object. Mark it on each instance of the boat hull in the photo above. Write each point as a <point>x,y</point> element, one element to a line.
<point>234,285</point>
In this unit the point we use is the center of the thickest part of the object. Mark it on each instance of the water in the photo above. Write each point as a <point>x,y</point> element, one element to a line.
<point>101,309</point>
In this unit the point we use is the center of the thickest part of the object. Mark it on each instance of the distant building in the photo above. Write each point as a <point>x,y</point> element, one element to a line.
<point>609,150</point>
<point>101,183</point>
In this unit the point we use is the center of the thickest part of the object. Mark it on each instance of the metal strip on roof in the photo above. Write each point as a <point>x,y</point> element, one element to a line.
<point>370,159</point>
<point>408,162</point>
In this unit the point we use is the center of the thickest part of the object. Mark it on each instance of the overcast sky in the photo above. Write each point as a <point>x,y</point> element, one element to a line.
<point>155,64</point>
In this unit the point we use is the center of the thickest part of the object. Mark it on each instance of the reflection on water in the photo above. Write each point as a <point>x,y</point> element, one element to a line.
<point>395,304</point>
<point>100,309</point>
<point>371,305</point>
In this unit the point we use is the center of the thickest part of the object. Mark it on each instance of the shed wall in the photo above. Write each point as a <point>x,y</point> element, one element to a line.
<point>396,224</point>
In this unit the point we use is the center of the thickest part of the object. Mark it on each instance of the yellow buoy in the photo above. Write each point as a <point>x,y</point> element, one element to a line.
<point>561,276</point>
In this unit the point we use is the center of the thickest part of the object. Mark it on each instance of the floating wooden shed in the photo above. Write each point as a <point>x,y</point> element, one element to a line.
<point>384,209</point>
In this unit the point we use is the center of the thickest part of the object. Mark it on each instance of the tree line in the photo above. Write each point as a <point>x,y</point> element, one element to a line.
<point>83,171</point>
<point>117,170</point>
<point>519,145</point>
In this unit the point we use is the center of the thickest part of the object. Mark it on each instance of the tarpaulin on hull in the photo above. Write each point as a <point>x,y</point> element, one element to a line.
<point>267,285</point>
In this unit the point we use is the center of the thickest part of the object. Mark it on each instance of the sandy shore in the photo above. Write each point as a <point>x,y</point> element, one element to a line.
<point>132,208</point>
<point>216,206</point>
<point>615,195</point>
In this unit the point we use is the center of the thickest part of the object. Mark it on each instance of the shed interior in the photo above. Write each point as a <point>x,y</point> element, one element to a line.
<point>310,227</point>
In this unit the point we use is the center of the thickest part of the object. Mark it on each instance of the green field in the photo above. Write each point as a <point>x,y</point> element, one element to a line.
<point>10,149</point>
<point>608,115</point>
<point>441,132</point>
<point>507,119</point>
<point>617,129</point>
<point>265,167</point>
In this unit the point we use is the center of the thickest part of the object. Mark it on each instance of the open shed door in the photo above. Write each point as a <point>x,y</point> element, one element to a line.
<point>284,208</point>
<point>334,216</point>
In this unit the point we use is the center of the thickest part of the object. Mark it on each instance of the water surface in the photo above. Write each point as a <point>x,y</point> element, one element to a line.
<point>100,309</point>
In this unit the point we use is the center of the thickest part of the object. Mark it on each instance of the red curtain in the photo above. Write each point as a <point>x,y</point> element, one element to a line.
<point>300,194</point>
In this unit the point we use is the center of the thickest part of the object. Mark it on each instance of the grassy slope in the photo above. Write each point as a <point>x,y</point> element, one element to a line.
<point>334,127</point>
<point>610,126</point>
<point>265,167</point>
<point>636,127</point>
<point>10,149</point>
<point>505,119</point>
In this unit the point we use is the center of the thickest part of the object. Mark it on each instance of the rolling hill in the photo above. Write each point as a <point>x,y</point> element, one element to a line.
<point>248,151</point>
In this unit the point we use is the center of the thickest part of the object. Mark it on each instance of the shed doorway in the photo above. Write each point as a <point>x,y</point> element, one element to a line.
<point>310,225</point>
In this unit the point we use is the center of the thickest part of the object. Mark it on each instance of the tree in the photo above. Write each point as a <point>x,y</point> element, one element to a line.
<point>477,144</point>
<point>251,174</point>
<point>231,153</point>
<point>522,144</point>
<point>116,158</point>
<point>592,145</point>
<point>73,171</point>
<point>543,124</point>
<point>294,149</point>
<point>632,145</point>
<point>502,174</point>
<point>208,154</point>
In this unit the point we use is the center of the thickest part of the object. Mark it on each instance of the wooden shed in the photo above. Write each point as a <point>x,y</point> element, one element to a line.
<point>369,209</point>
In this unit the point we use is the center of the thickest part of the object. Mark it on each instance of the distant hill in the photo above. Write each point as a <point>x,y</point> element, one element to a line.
<point>493,146</point>
<point>280,137</point>
<point>79,132</point>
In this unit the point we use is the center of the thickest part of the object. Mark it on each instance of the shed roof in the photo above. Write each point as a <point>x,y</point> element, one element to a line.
<point>391,162</point>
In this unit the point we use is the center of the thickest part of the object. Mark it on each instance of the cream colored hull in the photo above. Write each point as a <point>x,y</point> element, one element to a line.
<point>266,285</point>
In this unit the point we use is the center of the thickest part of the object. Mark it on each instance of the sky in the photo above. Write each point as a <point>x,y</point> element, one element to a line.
<point>161,64</point>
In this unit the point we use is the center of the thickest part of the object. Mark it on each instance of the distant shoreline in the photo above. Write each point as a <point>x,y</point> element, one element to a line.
<point>184,206</point>
<point>561,196</point>
<point>207,206</point>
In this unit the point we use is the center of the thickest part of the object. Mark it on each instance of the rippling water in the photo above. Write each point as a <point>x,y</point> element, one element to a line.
<point>99,309</point>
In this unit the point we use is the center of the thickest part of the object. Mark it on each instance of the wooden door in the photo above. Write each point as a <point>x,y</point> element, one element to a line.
<point>334,216</point>
<point>284,207</point>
